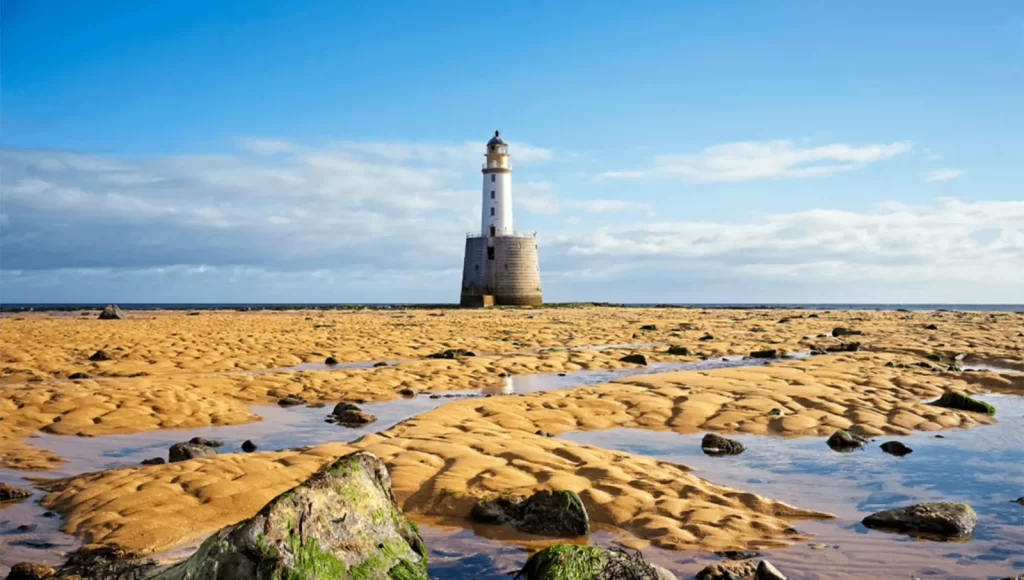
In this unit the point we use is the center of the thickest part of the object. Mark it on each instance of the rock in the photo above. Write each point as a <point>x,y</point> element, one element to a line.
<point>380,364</point>
<point>843,331</point>
<point>766,353</point>
<point>737,554</point>
<point>342,522</point>
<point>30,571</point>
<point>407,392</point>
<point>111,312</point>
<point>844,347</point>
<point>634,359</point>
<point>649,327</point>
<point>186,451</point>
<point>931,327</point>
<point>942,520</point>
<point>716,445</point>
<point>896,448</point>
<point>349,415</point>
<point>933,356</point>
<point>845,441</point>
<point>543,433</point>
<point>248,446</point>
<point>1019,500</point>
<point>452,353</point>
<point>739,570</point>
<point>679,350</point>
<point>316,405</point>
<point>100,355</point>
<point>559,513</point>
<point>776,412</point>
<point>206,442</point>
<point>576,562</point>
<point>154,461</point>
<point>765,571</point>
<point>707,336</point>
<point>963,402</point>
<point>107,563</point>
<point>292,401</point>
<point>8,492</point>
<point>79,375</point>
<point>330,361</point>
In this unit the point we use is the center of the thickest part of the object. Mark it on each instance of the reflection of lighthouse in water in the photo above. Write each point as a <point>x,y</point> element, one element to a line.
<point>507,388</point>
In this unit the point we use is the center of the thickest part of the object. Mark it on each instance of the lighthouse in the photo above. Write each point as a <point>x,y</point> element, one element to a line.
<point>500,265</point>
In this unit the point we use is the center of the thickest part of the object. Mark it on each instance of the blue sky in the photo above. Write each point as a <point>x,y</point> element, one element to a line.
<point>682,152</point>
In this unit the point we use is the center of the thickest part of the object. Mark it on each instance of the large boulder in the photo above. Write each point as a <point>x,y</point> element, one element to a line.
<point>942,520</point>
<point>575,562</point>
<point>112,312</point>
<point>557,513</point>
<point>963,402</point>
<point>342,522</point>
<point>186,451</point>
<point>717,445</point>
<point>8,492</point>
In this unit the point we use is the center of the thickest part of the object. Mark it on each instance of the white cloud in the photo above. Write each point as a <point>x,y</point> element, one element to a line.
<point>944,175</point>
<point>744,161</point>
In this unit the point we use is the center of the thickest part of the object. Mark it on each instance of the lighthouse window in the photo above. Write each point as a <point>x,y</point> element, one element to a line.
<point>492,180</point>
<point>492,211</point>
<point>492,194</point>
<point>490,253</point>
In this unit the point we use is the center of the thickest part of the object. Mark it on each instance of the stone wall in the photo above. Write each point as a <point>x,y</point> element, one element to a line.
<point>512,276</point>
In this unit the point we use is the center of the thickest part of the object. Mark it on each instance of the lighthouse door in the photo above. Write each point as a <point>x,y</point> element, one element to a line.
<point>492,231</point>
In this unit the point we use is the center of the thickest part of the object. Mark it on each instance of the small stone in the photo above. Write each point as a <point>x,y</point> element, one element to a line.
<point>577,562</point>
<point>330,361</point>
<point>634,359</point>
<point>776,412</point>
<point>186,451</point>
<point>737,554</point>
<point>79,376</point>
<point>931,327</point>
<point>49,514</point>
<point>766,353</point>
<point>9,492</point>
<point>942,520</point>
<point>1019,500</point>
<point>111,312</point>
<point>248,446</point>
<point>154,461</point>
<point>100,355</point>
<point>559,513</point>
<point>380,364</point>
<point>407,392</point>
<point>896,448</point>
<point>543,433</point>
<point>963,402</point>
<point>316,405</point>
<point>706,337</point>
<point>738,570</point>
<point>844,441</point>
<point>843,331</point>
<point>30,571</point>
<point>679,351</point>
<point>649,327</point>
<point>716,445</point>
<point>291,401</point>
<point>940,436</point>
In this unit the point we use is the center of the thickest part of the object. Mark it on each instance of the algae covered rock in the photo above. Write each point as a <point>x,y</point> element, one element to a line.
<point>342,522</point>
<point>942,520</point>
<point>557,513</point>
<point>963,402</point>
<point>575,562</point>
<point>716,445</point>
<point>843,440</point>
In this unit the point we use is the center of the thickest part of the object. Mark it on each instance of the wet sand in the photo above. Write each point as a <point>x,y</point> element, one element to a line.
<point>198,374</point>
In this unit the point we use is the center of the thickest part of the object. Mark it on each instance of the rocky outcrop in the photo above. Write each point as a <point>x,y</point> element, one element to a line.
<point>349,415</point>
<point>844,441</point>
<point>896,448</point>
<point>963,402</point>
<point>559,513</point>
<point>111,312</point>
<point>940,520</point>
<point>9,492</point>
<point>186,451</point>
<point>636,358</point>
<point>575,562</point>
<point>716,445</point>
<point>342,522</point>
<point>30,571</point>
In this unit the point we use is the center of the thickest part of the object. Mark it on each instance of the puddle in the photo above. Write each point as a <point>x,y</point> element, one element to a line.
<point>983,466</point>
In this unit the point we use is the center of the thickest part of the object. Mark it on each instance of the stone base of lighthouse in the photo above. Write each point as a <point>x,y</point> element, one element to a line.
<point>504,268</point>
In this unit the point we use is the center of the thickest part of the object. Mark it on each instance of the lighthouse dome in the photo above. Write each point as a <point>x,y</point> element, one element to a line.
<point>496,140</point>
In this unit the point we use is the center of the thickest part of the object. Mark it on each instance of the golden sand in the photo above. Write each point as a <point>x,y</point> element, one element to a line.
<point>442,459</point>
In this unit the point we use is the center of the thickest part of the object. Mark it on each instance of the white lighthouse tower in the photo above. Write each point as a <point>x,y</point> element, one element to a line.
<point>500,266</point>
<point>496,216</point>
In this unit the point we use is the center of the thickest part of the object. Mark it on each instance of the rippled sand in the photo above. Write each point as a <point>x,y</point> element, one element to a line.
<point>197,375</point>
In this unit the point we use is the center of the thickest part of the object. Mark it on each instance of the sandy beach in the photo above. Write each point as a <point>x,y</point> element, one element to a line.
<point>172,370</point>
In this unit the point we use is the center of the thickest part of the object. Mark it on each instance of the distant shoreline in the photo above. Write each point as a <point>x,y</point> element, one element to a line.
<point>66,307</point>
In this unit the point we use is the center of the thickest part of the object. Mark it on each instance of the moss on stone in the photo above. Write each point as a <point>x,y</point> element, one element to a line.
<point>265,548</point>
<point>564,562</point>
<point>963,402</point>
<point>311,562</point>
